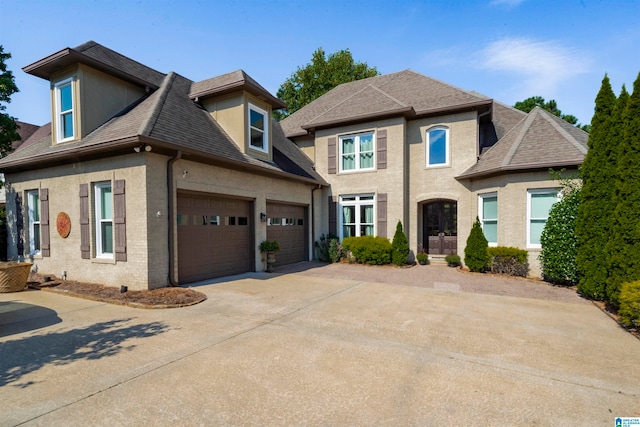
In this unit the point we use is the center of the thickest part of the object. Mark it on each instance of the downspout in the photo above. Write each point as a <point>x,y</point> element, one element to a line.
<point>172,221</point>
<point>313,222</point>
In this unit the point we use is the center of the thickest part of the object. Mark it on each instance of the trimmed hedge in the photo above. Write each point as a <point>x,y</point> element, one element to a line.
<point>508,260</point>
<point>323,248</point>
<point>373,250</point>
<point>629,299</point>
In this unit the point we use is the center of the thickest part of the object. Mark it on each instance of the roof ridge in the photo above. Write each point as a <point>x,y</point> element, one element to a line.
<point>389,96</point>
<point>91,43</point>
<point>518,141</point>
<point>550,118</point>
<point>149,123</point>
<point>468,92</point>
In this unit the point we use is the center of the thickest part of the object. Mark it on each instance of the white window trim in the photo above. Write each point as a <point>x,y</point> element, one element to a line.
<point>59,128</point>
<point>528,225</point>
<point>97,187</point>
<point>32,222</point>
<point>356,137</point>
<point>357,203</point>
<point>265,148</point>
<point>447,152</point>
<point>481,213</point>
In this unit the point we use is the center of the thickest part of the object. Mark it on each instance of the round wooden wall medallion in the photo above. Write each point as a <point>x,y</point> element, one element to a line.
<point>64,224</point>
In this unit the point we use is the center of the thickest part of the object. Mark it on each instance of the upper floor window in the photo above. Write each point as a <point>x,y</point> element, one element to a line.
<point>539,204</point>
<point>438,146</point>
<point>103,219</point>
<point>357,152</point>
<point>258,129</point>
<point>64,110</point>
<point>488,213</point>
<point>33,203</point>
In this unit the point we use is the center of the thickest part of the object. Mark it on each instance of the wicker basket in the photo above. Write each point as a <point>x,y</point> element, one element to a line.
<point>14,276</point>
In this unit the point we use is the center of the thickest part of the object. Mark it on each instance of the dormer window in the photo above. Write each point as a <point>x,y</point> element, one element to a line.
<point>64,110</point>
<point>258,130</point>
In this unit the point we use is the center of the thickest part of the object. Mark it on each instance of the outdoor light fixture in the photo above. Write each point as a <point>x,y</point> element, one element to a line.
<point>143,147</point>
<point>263,217</point>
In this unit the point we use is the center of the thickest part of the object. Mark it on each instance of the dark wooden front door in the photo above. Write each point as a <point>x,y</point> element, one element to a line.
<point>440,227</point>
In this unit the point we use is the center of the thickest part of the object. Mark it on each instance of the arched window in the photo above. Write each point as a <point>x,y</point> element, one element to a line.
<point>438,146</point>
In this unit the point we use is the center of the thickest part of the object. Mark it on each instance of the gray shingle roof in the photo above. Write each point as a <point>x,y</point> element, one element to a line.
<point>405,92</point>
<point>539,141</point>
<point>171,119</point>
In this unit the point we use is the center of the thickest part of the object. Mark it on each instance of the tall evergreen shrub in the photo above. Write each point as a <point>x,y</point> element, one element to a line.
<point>558,239</point>
<point>625,261</point>
<point>596,209</point>
<point>399,246</point>
<point>476,257</point>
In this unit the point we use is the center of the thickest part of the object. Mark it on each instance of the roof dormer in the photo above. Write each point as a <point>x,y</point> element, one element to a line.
<point>242,107</point>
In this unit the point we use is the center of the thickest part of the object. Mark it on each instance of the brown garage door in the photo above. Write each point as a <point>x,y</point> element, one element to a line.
<point>214,237</point>
<point>287,224</point>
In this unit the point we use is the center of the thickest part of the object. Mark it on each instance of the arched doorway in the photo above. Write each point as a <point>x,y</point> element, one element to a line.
<point>440,227</point>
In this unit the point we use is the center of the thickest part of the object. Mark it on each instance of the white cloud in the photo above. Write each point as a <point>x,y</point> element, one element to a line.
<point>541,65</point>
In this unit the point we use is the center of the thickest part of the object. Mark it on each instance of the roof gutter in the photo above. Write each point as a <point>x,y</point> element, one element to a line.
<point>518,168</point>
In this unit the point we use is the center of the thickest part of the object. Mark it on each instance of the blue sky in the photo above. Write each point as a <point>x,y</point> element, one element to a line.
<point>506,49</point>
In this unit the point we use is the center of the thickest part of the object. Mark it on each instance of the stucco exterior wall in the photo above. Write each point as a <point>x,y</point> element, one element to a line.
<point>259,188</point>
<point>390,180</point>
<point>512,207</point>
<point>63,184</point>
<point>434,183</point>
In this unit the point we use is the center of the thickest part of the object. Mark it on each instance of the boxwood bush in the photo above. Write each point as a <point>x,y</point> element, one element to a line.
<point>508,260</point>
<point>629,300</point>
<point>372,250</point>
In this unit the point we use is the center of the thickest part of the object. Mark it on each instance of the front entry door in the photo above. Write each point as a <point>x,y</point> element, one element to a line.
<point>440,227</point>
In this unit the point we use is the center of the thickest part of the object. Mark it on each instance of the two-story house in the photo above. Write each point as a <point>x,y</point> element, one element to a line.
<point>151,179</point>
<point>406,147</point>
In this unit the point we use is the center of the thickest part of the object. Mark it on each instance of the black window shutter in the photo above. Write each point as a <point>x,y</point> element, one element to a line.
<point>85,231</point>
<point>332,155</point>
<point>45,236</point>
<point>20,223</point>
<point>119,219</point>
<point>381,142</point>
<point>382,214</point>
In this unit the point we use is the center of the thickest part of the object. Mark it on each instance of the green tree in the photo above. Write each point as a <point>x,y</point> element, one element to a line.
<point>399,246</point>
<point>552,107</point>
<point>318,77</point>
<point>558,239</point>
<point>8,126</point>
<point>624,244</point>
<point>476,256</point>
<point>596,209</point>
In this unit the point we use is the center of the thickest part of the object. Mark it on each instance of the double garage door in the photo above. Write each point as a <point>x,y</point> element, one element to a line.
<point>216,235</point>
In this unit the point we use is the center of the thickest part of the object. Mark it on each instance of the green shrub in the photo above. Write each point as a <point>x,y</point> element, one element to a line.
<point>422,258</point>
<point>399,247</point>
<point>453,259</point>
<point>335,250</point>
<point>629,300</point>
<point>269,246</point>
<point>508,260</point>
<point>323,246</point>
<point>559,242</point>
<point>475,253</point>
<point>372,250</point>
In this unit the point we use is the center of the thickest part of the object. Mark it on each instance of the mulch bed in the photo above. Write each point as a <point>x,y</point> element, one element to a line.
<point>156,298</point>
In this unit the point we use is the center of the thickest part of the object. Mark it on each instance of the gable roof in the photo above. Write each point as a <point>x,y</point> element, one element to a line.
<point>99,57</point>
<point>232,82</point>
<point>539,141</point>
<point>405,93</point>
<point>168,120</point>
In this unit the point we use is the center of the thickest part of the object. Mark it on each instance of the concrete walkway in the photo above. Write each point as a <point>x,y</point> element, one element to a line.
<point>310,348</point>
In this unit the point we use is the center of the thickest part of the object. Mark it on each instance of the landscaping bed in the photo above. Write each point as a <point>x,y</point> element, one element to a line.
<point>156,298</point>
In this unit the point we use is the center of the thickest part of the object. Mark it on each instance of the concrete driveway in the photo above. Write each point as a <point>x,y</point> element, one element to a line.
<point>309,348</point>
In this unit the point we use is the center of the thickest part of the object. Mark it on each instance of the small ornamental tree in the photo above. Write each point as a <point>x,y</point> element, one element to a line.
<point>558,239</point>
<point>475,253</point>
<point>399,246</point>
